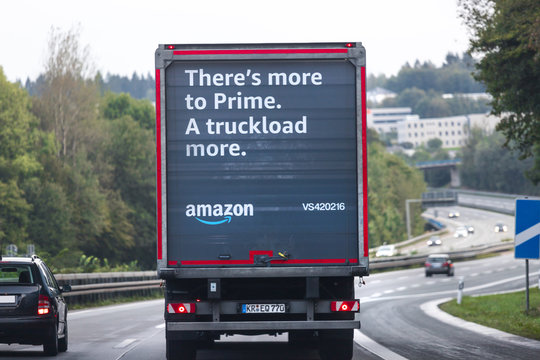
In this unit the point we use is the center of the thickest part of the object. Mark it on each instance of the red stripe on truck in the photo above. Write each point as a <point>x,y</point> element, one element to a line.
<point>251,260</point>
<point>158,163</point>
<point>260,51</point>
<point>364,161</point>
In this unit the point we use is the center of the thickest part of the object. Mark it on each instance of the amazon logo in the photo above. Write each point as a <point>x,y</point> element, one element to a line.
<point>217,214</point>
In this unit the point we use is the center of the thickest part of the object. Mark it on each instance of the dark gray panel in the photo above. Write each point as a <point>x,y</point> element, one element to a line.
<point>288,186</point>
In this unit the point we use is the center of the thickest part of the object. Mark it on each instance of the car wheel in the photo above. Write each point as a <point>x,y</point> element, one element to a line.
<point>63,342</point>
<point>50,347</point>
<point>428,274</point>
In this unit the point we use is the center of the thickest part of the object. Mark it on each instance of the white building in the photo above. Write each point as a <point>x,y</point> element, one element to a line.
<point>453,131</point>
<point>386,120</point>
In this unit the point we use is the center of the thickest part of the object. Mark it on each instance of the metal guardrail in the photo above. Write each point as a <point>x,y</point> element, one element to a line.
<point>94,287</point>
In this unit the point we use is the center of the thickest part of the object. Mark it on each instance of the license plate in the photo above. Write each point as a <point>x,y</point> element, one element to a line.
<point>7,299</point>
<point>263,308</point>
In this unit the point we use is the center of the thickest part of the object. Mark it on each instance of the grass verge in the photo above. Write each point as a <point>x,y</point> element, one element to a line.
<point>505,312</point>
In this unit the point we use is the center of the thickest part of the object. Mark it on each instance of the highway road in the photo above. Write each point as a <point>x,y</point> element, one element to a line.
<point>392,313</point>
<point>394,323</point>
<point>399,318</point>
<point>483,222</point>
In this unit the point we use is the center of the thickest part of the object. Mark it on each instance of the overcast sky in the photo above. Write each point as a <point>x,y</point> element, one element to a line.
<point>122,35</point>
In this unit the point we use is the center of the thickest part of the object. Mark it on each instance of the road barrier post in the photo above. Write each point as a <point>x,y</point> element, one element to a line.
<point>461,285</point>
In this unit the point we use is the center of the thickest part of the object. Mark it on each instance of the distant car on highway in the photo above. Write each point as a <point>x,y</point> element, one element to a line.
<point>386,250</point>
<point>470,229</point>
<point>461,231</point>
<point>434,240</point>
<point>32,308</point>
<point>500,227</point>
<point>453,214</point>
<point>439,264</point>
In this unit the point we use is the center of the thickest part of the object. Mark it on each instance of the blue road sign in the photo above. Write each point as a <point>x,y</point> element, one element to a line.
<point>527,239</point>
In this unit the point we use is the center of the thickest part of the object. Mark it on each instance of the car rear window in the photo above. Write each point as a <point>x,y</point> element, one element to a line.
<point>437,259</point>
<point>16,274</point>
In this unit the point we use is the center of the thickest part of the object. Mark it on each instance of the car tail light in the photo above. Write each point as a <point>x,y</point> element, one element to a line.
<point>428,264</point>
<point>182,308</point>
<point>44,305</point>
<point>351,306</point>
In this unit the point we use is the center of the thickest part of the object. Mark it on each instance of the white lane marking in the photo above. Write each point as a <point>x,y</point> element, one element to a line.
<point>447,292</point>
<point>402,277</point>
<point>374,281</point>
<point>114,308</point>
<point>415,285</point>
<point>375,348</point>
<point>430,282</point>
<point>125,343</point>
<point>474,274</point>
<point>431,308</point>
<point>401,288</point>
<point>160,326</point>
<point>376,295</point>
<point>388,291</point>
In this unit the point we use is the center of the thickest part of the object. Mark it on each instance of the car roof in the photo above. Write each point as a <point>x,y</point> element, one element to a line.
<point>13,259</point>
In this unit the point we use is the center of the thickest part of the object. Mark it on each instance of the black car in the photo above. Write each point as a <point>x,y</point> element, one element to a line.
<point>439,264</point>
<point>32,308</point>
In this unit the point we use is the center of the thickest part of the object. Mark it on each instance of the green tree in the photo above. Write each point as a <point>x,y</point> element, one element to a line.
<point>130,155</point>
<point>391,182</point>
<point>68,96</point>
<point>487,165</point>
<point>506,34</point>
<point>18,162</point>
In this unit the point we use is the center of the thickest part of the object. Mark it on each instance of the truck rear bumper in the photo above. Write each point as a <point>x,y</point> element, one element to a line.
<point>262,325</point>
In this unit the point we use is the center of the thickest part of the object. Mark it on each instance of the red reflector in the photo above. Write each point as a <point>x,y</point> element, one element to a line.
<point>170,47</point>
<point>351,306</point>
<point>44,305</point>
<point>349,45</point>
<point>182,308</point>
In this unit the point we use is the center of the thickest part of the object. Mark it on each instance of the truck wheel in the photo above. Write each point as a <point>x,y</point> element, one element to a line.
<point>336,344</point>
<point>303,339</point>
<point>181,350</point>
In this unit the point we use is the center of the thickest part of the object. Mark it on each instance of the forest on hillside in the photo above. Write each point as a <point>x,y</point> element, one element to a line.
<point>77,171</point>
<point>421,87</point>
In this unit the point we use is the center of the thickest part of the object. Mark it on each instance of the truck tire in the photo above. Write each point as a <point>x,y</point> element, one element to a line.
<point>303,339</point>
<point>181,350</point>
<point>336,344</point>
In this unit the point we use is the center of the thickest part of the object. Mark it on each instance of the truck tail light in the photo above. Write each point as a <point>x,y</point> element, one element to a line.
<point>182,308</point>
<point>351,306</point>
<point>44,305</point>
